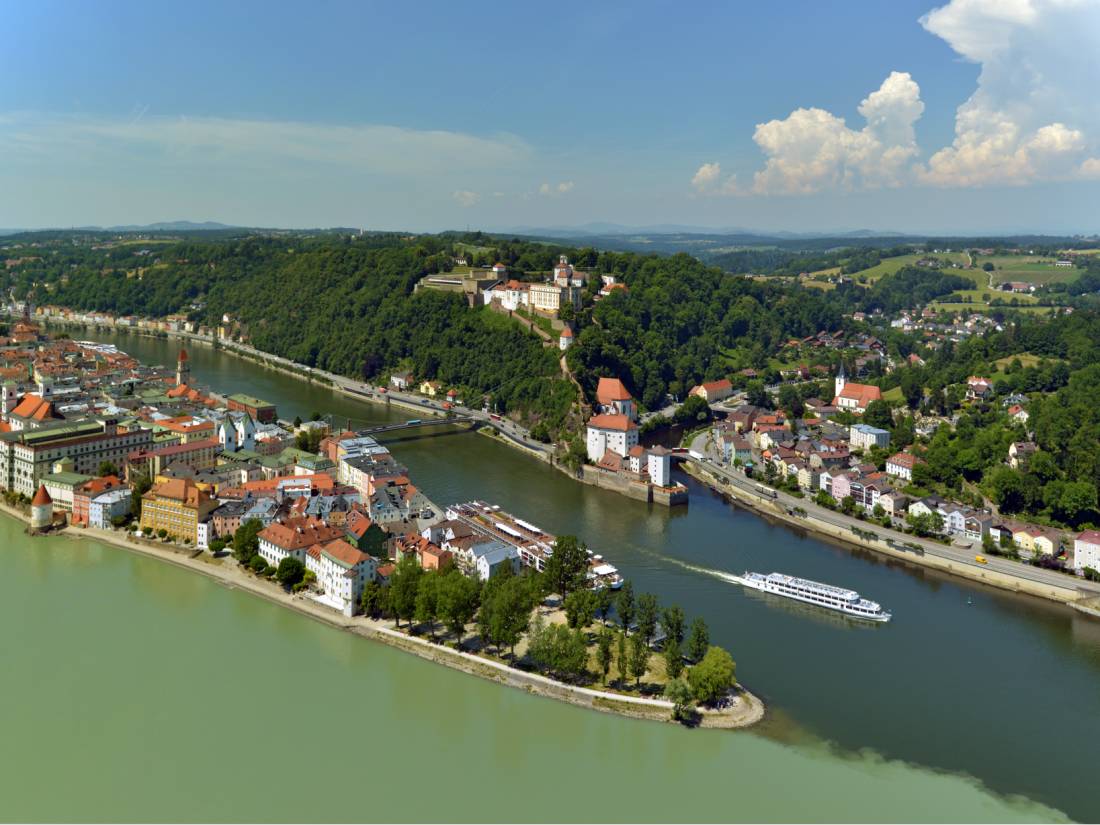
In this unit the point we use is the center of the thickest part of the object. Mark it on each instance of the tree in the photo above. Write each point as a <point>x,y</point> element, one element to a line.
<point>217,545</point>
<point>623,658</point>
<point>404,586</point>
<point>680,693</point>
<point>506,604</point>
<point>878,415</point>
<point>107,468</point>
<point>639,657</point>
<point>139,486</point>
<point>566,568</point>
<point>647,616</point>
<point>674,657</point>
<point>426,607</point>
<point>458,602</point>
<point>605,598</point>
<point>699,641</point>
<point>603,652</point>
<point>371,600</point>
<point>791,401</point>
<point>712,677</point>
<point>246,542</point>
<point>694,410</point>
<point>257,564</point>
<point>823,499</point>
<point>673,621</point>
<point>624,605</point>
<point>580,608</point>
<point>290,571</point>
<point>925,524</point>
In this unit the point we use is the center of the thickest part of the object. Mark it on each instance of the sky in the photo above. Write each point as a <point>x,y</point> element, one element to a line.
<point>966,117</point>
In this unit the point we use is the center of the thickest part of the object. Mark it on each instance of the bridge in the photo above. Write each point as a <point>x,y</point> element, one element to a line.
<point>416,423</point>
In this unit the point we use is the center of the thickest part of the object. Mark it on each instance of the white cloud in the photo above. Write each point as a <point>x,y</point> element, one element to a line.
<point>464,197</point>
<point>552,190</point>
<point>812,149</point>
<point>1035,114</point>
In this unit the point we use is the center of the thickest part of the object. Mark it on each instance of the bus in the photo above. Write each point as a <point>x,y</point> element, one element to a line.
<point>412,421</point>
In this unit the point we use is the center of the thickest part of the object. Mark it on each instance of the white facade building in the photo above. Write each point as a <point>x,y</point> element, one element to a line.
<point>1086,550</point>
<point>864,437</point>
<point>616,433</point>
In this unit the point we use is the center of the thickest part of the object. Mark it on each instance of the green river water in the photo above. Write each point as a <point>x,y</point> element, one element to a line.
<point>137,691</point>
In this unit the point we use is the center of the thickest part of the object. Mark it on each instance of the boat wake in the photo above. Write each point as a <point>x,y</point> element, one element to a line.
<point>707,571</point>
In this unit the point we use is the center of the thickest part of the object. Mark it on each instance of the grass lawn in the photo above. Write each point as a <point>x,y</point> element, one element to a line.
<point>962,307</point>
<point>893,396</point>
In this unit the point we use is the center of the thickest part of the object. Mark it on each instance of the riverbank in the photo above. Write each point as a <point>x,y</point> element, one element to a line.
<point>1069,593</point>
<point>590,475</point>
<point>745,710</point>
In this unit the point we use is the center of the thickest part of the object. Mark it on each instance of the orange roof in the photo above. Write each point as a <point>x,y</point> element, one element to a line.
<point>179,489</point>
<point>610,390</point>
<point>612,422</point>
<point>297,533</point>
<point>344,553</point>
<point>862,394</point>
<point>99,485</point>
<point>318,481</point>
<point>41,497</point>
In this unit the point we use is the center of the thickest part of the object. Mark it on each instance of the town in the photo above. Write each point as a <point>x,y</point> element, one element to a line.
<point>92,440</point>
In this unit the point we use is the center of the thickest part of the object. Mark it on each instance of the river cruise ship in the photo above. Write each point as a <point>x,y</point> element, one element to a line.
<point>822,595</point>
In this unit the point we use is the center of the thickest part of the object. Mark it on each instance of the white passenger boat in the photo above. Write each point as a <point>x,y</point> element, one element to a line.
<point>822,595</point>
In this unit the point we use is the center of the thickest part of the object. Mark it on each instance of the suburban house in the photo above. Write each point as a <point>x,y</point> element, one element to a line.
<point>1019,453</point>
<point>978,388</point>
<point>401,380</point>
<point>565,339</point>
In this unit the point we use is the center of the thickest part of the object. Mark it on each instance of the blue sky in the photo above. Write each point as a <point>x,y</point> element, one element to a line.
<point>980,115</point>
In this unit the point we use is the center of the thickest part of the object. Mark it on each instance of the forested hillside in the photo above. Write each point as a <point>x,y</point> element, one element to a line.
<point>347,305</point>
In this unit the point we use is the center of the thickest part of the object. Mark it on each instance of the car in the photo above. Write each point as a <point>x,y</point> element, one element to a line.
<point>425,401</point>
<point>981,560</point>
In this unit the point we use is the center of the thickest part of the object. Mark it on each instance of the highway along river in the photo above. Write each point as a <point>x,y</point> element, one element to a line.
<point>159,695</point>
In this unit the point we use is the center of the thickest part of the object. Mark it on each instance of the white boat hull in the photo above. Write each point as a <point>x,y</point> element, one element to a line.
<point>765,586</point>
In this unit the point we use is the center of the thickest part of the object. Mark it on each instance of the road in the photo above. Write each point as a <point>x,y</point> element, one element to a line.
<point>737,479</point>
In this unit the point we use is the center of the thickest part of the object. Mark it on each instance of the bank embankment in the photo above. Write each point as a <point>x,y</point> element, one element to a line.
<point>807,521</point>
<point>744,710</point>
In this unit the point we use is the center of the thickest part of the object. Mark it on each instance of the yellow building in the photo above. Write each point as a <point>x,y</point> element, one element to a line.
<point>176,506</point>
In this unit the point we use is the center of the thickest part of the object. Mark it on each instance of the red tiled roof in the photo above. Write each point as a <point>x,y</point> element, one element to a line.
<point>41,497</point>
<point>612,422</point>
<point>610,390</point>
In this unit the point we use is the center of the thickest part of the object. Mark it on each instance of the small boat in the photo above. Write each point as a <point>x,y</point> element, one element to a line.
<point>840,599</point>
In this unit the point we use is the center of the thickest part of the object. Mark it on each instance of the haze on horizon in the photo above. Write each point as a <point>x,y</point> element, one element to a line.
<point>974,116</point>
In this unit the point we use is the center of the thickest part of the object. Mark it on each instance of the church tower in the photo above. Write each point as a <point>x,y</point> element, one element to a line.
<point>841,379</point>
<point>183,368</point>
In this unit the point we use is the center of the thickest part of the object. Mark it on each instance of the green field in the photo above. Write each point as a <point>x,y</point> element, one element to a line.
<point>891,265</point>
<point>1029,268</point>
<point>893,396</point>
<point>964,307</point>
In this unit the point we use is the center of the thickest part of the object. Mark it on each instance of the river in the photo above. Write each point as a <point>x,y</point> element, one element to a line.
<point>972,704</point>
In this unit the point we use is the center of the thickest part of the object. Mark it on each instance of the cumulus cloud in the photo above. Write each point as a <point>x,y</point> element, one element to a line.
<point>562,188</point>
<point>708,181</point>
<point>812,149</point>
<point>464,197</point>
<point>1035,114</point>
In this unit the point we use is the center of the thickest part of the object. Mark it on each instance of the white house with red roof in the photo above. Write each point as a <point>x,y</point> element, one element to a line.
<point>610,432</point>
<point>901,465</point>
<point>854,397</point>
<point>342,571</point>
<point>613,397</point>
<point>1086,550</point>
<point>565,339</point>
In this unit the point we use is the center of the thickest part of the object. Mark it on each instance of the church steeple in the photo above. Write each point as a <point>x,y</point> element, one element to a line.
<point>183,368</point>
<point>841,380</point>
